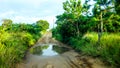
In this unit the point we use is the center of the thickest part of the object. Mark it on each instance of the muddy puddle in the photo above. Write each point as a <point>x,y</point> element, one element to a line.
<point>48,50</point>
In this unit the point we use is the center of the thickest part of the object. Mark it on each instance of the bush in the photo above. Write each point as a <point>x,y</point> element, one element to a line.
<point>15,41</point>
<point>108,50</point>
<point>13,47</point>
<point>56,35</point>
<point>86,44</point>
<point>28,39</point>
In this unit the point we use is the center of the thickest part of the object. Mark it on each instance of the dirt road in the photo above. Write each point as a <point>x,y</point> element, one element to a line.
<point>66,59</point>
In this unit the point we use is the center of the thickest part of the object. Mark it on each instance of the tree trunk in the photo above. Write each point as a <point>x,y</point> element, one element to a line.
<point>101,20</point>
<point>100,28</point>
<point>78,32</point>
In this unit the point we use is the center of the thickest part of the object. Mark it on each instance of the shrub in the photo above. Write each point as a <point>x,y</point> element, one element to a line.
<point>108,50</point>
<point>13,47</point>
<point>15,41</point>
<point>111,48</point>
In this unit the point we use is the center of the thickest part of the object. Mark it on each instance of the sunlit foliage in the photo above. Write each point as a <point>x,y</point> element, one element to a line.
<point>15,39</point>
<point>74,25</point>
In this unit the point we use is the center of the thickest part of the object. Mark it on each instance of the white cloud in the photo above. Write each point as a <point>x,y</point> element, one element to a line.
<point>30,11</point>
<point>8,13</point>
<point>32,3</point>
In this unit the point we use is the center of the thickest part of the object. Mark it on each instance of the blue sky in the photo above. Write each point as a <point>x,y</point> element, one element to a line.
<point>29,11</point>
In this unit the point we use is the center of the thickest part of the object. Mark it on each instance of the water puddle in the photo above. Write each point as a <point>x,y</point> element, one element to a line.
<point>48,50</point>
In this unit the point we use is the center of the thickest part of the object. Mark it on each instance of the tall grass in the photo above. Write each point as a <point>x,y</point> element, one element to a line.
<point>108,50</point>
<point>10,55</point>
<point>13,47</point>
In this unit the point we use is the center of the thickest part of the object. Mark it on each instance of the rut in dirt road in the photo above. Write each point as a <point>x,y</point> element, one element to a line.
<point>49,53</point>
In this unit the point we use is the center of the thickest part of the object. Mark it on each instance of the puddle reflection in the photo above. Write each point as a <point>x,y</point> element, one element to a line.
<point>48,50</point>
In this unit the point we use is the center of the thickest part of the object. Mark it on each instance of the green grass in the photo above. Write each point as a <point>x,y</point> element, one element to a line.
<point>13,47</point>
<point>108,50</point>
<point>10,55</point>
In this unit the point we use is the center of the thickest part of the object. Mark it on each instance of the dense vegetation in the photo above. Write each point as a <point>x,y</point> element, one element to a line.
<point>15,39</point>
<point>93,32</point>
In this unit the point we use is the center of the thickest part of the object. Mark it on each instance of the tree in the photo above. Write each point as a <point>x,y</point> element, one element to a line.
<point>6,22</point>
<point>73,9</point>
<point>117,6</point>
<point>101,8</point>
<point>44,25</point>
<point>72,23</point>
